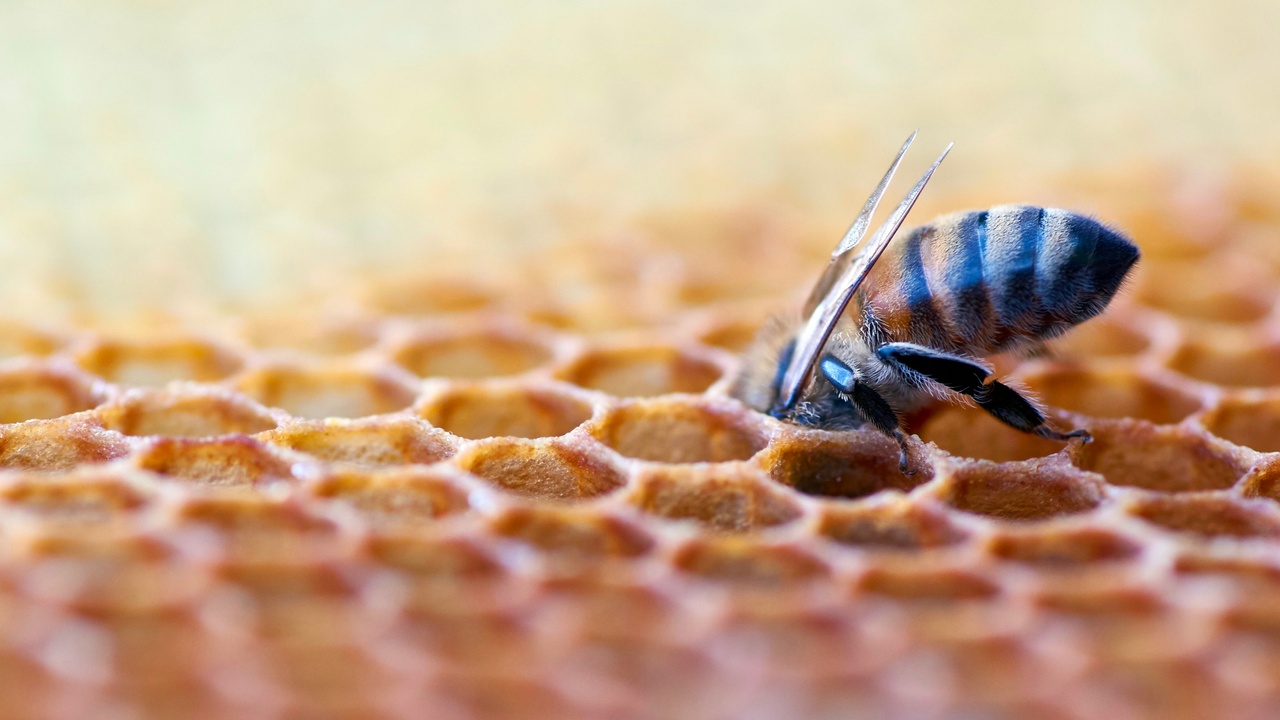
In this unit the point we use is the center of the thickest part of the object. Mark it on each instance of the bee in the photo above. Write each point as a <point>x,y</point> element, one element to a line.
<point>891,326</point>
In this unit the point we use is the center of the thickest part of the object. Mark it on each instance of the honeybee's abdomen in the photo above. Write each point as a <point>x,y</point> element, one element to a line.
<point>984,282</point>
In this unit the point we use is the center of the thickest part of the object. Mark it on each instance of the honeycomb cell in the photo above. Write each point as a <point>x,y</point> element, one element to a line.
<point>319,622</point>
<point>549,316</point>
<point>34,392</point>
<point>1188,289</point>
<point>957,624</point>
<point>114,587</point>
<point>678,431</point>
<point>402,496</point>
<point>481,411</point>
<point>732,335</point>
<point>1000,679</point>
<point>735,499</point>
<point>896,525</point>
<point>445,576</point>
<point>1098,595</point>
<point>775,648</point>
<point>96,532</point>
<point>1231,364</point>
<point>849,464</point>
<point>481,645</point>
<point>503,697</point>
<point>429,295</point>
<point>28,687</point>
<point>316,335</point>
<point>316,392</point>
<point>573,535</point>
<point>1112,393</point>
<point>252,529</point>
<point>185,412</point>
<point>1255,570</point>
<point>643,371</point>
<point>155,363</point>
<point>494,352</point>
<point>1207,514</point>
<point>1158,458</point>
<point>78,497</point>
<point>1064,547</point>
<point>1257,614</point>
<point>681,672</point>
<point>88,535</point>
<point>623,615</point>
<point>542,470</point>
<point>19,340</point>
<point>327,676</point>
<point>1109,336</point>
<point>739,560</point>
<point>1250,421</point>
<point>276,564</point>
<point>373,442</point>
<point>929,584</point>
<point>60,444</point>
<point>1158,638</point>
<point>1252,663</point>
<point>234,460</point>
<point>1029,490</point>
<point>157,645</point>
<point>446,557</point>
<point>972,433</point>
<point>705,290</point>
<point>242,507</point>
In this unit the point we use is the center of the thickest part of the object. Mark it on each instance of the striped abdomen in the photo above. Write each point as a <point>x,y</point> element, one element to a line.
<point>983,282</point>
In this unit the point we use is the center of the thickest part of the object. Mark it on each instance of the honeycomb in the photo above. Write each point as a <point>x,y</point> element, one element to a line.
<point>452,501</point>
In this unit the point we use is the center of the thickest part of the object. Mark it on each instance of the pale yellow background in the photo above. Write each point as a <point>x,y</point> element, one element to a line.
<point>164,154</point>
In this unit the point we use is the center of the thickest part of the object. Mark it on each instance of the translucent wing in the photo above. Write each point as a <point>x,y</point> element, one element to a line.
<point>822,320</point>
<point>841,256</point>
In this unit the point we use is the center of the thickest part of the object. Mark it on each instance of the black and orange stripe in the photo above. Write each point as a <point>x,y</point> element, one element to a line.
<point>980,283</point>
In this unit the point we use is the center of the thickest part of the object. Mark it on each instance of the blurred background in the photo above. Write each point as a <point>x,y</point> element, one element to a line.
<point>247,155</point>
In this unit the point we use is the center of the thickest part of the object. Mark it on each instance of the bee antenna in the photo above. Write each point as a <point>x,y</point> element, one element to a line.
<point>813,337</point>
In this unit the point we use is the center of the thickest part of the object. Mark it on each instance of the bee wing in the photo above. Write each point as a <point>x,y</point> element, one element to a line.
<point>822,320</point>
<point>841,256</point>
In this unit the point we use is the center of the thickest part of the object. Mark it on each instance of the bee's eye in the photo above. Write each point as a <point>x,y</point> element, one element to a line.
<point>784,362</point>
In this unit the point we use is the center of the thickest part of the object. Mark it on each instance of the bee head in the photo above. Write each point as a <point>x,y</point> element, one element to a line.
<point>776,408</point>
<point>763,365</point>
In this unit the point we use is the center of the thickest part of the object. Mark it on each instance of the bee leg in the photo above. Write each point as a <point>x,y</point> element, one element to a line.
<point>1011,408</point>
<point>969,378</point>
<point>869,403</point>
<point>959,374</point>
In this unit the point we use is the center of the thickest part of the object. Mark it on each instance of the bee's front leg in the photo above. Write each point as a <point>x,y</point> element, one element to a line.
<point>869,403</point>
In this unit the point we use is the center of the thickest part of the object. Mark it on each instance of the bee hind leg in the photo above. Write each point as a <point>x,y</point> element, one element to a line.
<point>969,378</point>
<point>1012,409</point>
<point>869,403</point>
